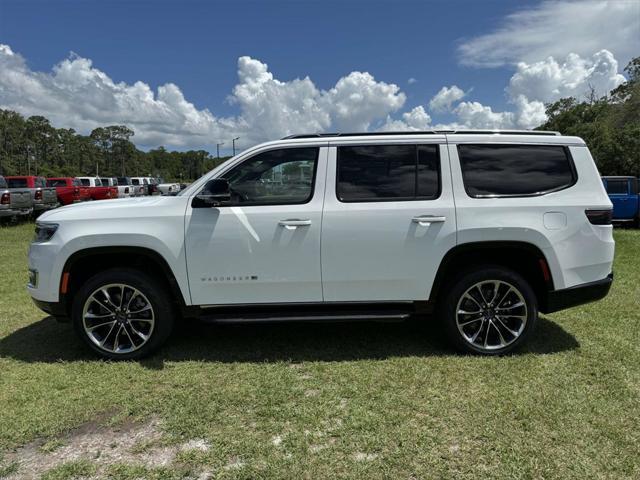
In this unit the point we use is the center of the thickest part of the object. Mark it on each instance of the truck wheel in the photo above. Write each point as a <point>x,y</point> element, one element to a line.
<point>488,310</point>
<point>123,314</point>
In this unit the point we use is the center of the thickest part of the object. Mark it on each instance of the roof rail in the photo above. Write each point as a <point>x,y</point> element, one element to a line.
<point>426,132</point>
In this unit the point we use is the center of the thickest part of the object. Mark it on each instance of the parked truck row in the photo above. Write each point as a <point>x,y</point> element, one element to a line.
<point>25,195</point>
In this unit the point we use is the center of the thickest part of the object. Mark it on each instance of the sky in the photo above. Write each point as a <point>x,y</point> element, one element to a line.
<point>190,74</point>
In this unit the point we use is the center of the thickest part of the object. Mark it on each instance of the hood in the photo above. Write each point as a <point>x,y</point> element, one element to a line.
<point>115,208</point>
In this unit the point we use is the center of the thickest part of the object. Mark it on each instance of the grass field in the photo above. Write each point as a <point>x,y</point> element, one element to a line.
<point>323,401</point>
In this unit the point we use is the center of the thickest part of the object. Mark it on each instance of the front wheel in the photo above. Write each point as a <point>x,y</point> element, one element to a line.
<point>489,310</point>
<point>122,314</point>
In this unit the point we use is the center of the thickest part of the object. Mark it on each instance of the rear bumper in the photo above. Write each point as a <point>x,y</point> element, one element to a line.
<point>580,294</point>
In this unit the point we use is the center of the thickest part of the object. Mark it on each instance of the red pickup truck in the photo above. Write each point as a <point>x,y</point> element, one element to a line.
<point>69,190</point>
<point>97,189</point>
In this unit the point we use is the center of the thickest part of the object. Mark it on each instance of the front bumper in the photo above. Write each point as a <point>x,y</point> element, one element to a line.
<point>580,294</point>
<point>55,309</point>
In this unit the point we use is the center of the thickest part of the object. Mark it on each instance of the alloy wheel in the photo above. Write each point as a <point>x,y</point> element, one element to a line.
<point>118,318</point>
<point>491,315</point>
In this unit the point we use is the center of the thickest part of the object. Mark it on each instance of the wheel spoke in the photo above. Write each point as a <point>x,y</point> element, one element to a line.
<point>143,309</point>
<point>93,316</point>
<point>469,297</point>
<point>103,305</point>
<point>475,335</point>
<point>468,322</point>
<point>94,327</point>
<point>512,332</point>
<point>106,337</point>
<point>511,307</point>
<point>124,327</point>
<point>503,342</point>
<point>496,287</point>
<point>133,295</point>
<point>139,333</point>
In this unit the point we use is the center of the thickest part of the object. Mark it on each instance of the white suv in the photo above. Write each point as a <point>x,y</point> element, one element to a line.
<point>486,229</point>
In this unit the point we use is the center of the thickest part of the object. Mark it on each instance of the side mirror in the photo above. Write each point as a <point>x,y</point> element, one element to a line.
<point>215,193</point>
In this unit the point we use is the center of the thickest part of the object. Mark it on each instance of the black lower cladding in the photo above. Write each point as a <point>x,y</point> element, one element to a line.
<point>55,309</point>
<point>578,295</point>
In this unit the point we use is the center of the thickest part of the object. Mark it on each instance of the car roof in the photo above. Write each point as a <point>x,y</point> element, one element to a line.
<point>618,177</point>
<point>452,136</point>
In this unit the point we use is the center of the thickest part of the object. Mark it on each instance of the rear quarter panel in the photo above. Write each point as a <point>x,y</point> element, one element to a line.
<point>576,251</point>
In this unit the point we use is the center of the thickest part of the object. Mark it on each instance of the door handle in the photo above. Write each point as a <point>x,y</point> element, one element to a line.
<point>293,223</point>
<point>424,220</point>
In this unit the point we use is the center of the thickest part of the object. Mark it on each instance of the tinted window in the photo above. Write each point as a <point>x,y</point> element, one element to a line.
<point>123,181</point>
<point>617,186</point>
<point>490,170</point>
<point>85,182</point>
<point>135,181</point>
<point>388,172</point>
<point>56,183</point>
<point>284,176</point>
<point>3,183</point>
<point>17,182</point>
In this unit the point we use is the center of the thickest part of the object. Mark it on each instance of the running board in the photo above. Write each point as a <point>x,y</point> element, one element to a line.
<point>306,314</point>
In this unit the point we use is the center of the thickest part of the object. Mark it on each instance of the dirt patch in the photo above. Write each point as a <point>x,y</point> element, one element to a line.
<point>130,443</point>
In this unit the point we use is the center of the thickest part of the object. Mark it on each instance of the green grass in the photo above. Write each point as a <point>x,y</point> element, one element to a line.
<point>339,400</point>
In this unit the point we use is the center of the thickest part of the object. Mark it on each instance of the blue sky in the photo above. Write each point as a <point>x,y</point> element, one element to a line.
<point>196,46</point>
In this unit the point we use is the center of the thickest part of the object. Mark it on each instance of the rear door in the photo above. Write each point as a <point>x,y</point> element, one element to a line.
<point>389,218</point>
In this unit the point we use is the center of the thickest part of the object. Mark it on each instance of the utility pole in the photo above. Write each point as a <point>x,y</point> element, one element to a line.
<point>218,145</point>
<point>234,145</point>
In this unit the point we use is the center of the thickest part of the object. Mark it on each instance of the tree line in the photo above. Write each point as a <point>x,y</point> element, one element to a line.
<point>32,146</point>
<point>610,125</point>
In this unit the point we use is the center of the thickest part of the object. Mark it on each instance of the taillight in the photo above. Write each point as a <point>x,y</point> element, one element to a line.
<point>38,195</point>
<point>5,199</point>
<point>76,191</point>
<point>599,217</point>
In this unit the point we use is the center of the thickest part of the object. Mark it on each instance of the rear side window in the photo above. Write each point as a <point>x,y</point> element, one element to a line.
<point>515,170</point>
<point>3,183</point>
<point>75,182</point>
<point>372,173</point>
<point>620,187</point>
<point>56,183</point>
<point>85,182</point>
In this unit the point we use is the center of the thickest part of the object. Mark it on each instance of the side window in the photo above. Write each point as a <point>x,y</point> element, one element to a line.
<point>85,182</point>
<point>276,177</point>
<point>617,186</point>
<point>515,170</point>
<point>372,173</point>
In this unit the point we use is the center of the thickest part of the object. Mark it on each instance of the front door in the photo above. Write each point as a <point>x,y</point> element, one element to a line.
<point>265,246</point>
<point>389,219</point>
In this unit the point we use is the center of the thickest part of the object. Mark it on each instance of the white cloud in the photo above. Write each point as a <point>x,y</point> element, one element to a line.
<point>549,80</point>
<point>443,100</point>
<point>476,115</point>
<point>412,80</point>
<point>76,94</point>
<point>557,28</point>
<point>416,119</point>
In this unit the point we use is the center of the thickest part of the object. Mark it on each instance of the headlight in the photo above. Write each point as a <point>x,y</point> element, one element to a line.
<point>44,232</point>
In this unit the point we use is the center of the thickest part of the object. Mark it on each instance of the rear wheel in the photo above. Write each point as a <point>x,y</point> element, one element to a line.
<point>489,310</point>
<point>122,314</point>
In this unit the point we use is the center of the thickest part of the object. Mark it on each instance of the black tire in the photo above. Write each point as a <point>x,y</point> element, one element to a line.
<point>501,319</point>
<point>150,290</point>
